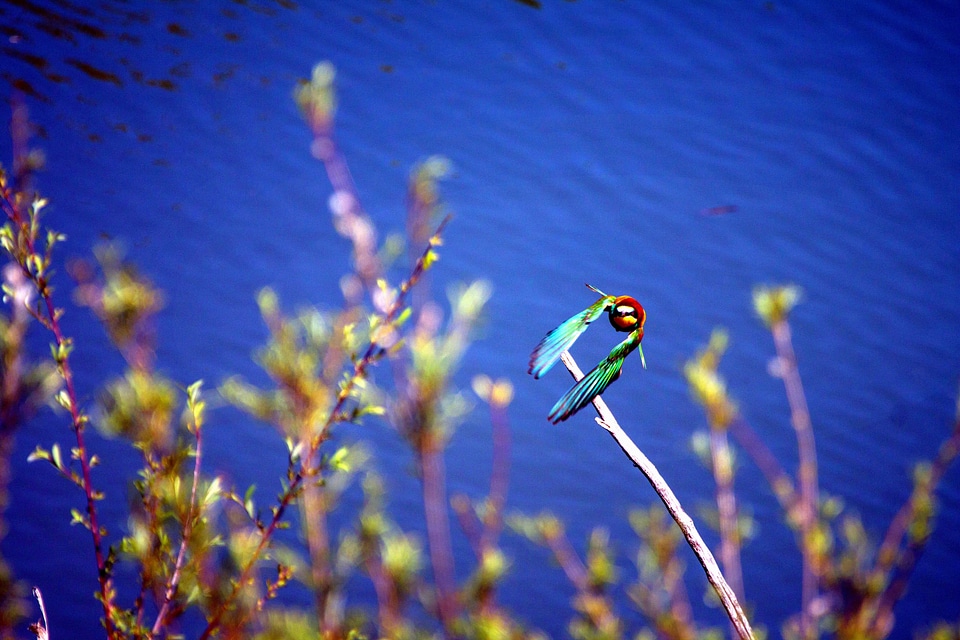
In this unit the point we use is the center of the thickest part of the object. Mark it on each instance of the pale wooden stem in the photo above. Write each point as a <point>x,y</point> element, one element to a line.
<point>727,597</point>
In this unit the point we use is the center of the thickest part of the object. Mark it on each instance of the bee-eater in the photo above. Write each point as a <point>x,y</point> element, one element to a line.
<point>626,314</point>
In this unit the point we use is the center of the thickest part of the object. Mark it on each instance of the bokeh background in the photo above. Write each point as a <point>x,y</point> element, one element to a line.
<point>591,141</point>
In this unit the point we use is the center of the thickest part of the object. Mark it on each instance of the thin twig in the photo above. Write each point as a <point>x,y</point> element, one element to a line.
<point>499,476</point>
<point>77,419</point>
<point>182,551</point>
<point>568,560</point>
<point>469,522</point>
<point>15,404</point>
<point>388,607</point>
<point>807,474</point>
<point>722,459</point>
<point>318,550</point>
<point>778,479</point>
<point>438,531</point>
<point>350,219</point>
<point>900,563</point>
<point>727,597</point>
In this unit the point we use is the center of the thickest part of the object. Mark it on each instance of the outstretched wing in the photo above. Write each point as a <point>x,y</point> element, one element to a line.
<point>595,382</point>
<point>562,338</point>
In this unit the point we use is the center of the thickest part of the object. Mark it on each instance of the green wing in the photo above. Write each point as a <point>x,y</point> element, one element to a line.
<point>595,382</point>
<point>562,338</point>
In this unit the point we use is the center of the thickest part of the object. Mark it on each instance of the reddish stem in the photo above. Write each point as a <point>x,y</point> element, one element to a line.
<point>903,563</point>
<point>353,222</point>
<point>438,531</point>
<point>182,551</point>
<point>726,509</point>
<point>318,547</point>
<point>12,405</point>
<point>807,474</point>
<point>106,590</point>
<point>214,622</point>
<point>777,478</point>
<point>499,476</point>
<point>52,321</point>
<point>568,560</point>
<point>469,522</point>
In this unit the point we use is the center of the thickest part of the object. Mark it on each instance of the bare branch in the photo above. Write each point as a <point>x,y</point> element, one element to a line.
<point>727,597</point>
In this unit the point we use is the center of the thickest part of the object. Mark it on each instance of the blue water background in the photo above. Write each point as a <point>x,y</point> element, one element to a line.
<point>587,139</point>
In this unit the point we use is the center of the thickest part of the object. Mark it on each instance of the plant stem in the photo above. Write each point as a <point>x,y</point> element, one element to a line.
<point>890,559</point>
<point>726,508</point>
<point>499,477</point>
<point>182,551</point>
<point>727,597</point>
<point>807,474</point>
<point>12,403</point>
<point>318,548</point>
<point>438,530</point>
<point>780,482</point>
<point>28,230</point>
<point>569,561</point>
<point>350,220</point>
<point>103,577</point>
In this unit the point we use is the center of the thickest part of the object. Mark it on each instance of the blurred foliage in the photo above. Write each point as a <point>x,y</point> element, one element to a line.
<point>773,304</point>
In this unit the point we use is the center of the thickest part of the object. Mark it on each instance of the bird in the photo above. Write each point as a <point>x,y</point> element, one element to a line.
<point>626,315</point>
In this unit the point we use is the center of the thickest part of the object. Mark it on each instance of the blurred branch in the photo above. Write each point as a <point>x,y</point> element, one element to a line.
<point>710,390</point>
<point>660,592</point>
<point>433,472</point>
<point>592,577</point>
<point>21,241</point>
<point>425,412</point>
<point>807,452</point>
<point>318,547</point>
<point>727,597</point>
<point>730,540</point>
<point>317,101</point>
<point>773,305</point>
<point>25,386</point>
<point>912,521</point>
<point>779,480</point>
<point>566,557</point>
<point>499,398</point>
<point>196,416</point>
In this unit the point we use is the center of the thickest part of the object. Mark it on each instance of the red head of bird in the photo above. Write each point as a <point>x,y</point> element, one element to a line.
<point>626,314</point>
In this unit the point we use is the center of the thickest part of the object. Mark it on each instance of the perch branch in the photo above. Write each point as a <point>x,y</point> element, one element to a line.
<point>727,597</point>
